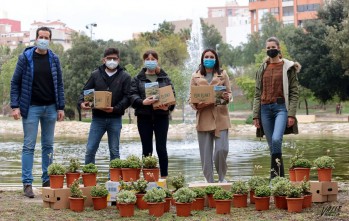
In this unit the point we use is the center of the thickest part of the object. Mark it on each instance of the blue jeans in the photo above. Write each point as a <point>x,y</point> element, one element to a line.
<point>47,116</point>
<point>98,128</point>
<point>274,120</point>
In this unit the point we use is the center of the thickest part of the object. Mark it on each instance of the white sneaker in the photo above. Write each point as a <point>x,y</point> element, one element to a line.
<point>223,181</point>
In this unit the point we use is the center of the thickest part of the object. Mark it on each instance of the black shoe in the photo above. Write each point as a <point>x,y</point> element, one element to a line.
<point>28,191</point>
<point>277,166</point>
<point>46,184</point>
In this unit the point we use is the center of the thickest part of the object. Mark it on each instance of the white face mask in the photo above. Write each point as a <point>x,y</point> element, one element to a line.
<point>111,64</point>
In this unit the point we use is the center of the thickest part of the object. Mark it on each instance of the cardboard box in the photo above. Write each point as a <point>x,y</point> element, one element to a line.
<point>323,188</point>
<point>204,94</point>
<point>331,198</point>
<point>318,198</point>
<point>166,96</point>
<point>102,99</point>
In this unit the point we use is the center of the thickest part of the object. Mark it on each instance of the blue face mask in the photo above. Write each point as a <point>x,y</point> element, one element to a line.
<point>42,44</point>
<point>150,64</point>
<point>209,63</point>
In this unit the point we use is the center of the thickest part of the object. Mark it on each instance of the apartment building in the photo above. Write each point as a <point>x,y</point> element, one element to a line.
<point>11,34</point>
<point>293,12</point>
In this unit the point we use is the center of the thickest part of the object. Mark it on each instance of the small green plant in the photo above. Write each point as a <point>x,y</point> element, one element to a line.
<point>324,162</point>
<point>155,195</point>
<point>74,165</point>
<point>222,195</point>
<point>140,186</point>
<point>293,159</point>
<point>302,163</point>
<point>132,161</point>
<point>277,179</point>
<point>294,191</point>
<point>239,187</point>
<point>305,185</point>
<point>280,188</point>
<point>126,196</point>
<point>56,169</point>
<point>75,191</point>
<point>99,191</point>
<point>126,186</point>
<point>150,162</point>
<point>212,189</point>
<point>256,181</point>
<point>184,195</point>
<point>168,193</point>
<point>177,181</point>
<point>116,163</point>
<point>90,168</point>
<point>262,191</point>
<point>199,192</point>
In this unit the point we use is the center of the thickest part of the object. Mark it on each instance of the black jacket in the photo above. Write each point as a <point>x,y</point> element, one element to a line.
<point>137,93</point>
<point>119,85</point>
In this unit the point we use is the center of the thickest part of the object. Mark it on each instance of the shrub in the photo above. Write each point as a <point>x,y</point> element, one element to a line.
<point>212,189</point>
<point>239,187</point>
<point>222,195</point>
<point>74,165</point>
<point>75,190</point>
<point>302,163</point>
<point>126,186</point>
<point>262,191</point>
<point>56,169</point>
<point>199,192</point>
<point>177,181</point>
<point>256,181</point>
<point>305,186</point>
<point>168,193</point>
<point>155,195</point>
<point>126,196</point>
<point>140,186</point>
<point>99,191</point>
<point>132,161</point>
<point>280,188</point>
<point>278,179</point>
<point>294,191</point>
<point>90,168</point>
<point>324,162</point>
<point>116,163</point>
<point>298,155</point>
<point>184,195</point>
<point>150,162</point>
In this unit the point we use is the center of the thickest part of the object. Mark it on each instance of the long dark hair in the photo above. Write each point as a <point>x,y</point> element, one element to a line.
<point>216,65</point>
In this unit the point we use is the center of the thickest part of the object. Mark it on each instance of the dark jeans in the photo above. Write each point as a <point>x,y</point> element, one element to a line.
<point>159,125</point>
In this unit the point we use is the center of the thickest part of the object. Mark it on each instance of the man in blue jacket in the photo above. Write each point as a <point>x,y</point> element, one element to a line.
<point>37,95</point>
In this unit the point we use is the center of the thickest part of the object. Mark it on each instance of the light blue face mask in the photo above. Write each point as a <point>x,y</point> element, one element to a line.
<point>209,63</point>
<point>42,44</point>
<point>150,64</point>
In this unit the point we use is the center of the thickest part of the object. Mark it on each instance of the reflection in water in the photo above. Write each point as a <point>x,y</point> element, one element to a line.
<point>184,156</point>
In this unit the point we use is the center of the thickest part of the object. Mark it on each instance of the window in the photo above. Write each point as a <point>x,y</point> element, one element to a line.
<point>261,13</point>
<point>274,11</point>
<point>230,12</point>
<point>287,11</point>
<point>307,8</point>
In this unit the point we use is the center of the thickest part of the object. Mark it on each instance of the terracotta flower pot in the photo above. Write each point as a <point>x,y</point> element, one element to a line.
<point>126,210</point>
<point>56,181</point>
<point>292,174</point>
<point>324,174</point>
<point>167,205</point>
<point>301,173</point>
<point>76,204</point>
<point>151,175</point>
<point>115,174</point>
<point>240,200</point>
<point>294,205</point>
<point>89,179</point>
<point>71,177</point>
<point>280,202</point>
<point>99,203</point>
<point>183,209</point>
<point>130,174</point>
<point>307,200</point>
<point>223,206</point>
<point>198,204</point>
<point>141,204</point>
<point>156,209</point>
<point>262,203</point>
<point>252,197</point>
<point>211,202</point>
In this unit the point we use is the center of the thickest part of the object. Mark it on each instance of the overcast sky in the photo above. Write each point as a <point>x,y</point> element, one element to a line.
<point>115,19</point>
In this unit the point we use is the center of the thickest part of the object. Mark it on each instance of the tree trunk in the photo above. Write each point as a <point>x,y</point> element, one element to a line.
<point>306,106</point>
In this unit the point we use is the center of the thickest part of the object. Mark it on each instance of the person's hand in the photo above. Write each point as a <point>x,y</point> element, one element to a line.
<point>162,107</point>
<point>107,109</point>
<point>60,115</point>
<point>202,105</point>
<point>256,123</point>
<point>149,100</point>
<point>290,121</point>
<point>85,105</point>
<point>16,113</point>
<point>225,96</point>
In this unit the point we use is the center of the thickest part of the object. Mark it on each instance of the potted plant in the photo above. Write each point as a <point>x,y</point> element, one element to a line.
<point>199,202</point>
<point>324,166</point>
<point>302,169</point>
<point>115,169</point>
<point>223,200</point>
<point>126,200</point>
<point>279,191</point>
<point>168,199</point>
<point>239,189</point>
<point>210,190</point>
<point>76,199</point>
<point>307,195</point>
<point>294,198</point>
<point>253,183</point>
<point>140,186</point>
<point>176,182</point>
<point>56,172</point>
<point>72,172</point>
<point>293,159</point>
<point>89,177</point>
<point>151,171</point>
<point>262,197</point>
<point>99,195</point>
<point>131,168</point>
<point>184,198</point>
<point>155,199</point>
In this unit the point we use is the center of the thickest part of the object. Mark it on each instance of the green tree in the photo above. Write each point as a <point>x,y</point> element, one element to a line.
<point>211,36</point>
<point>7,70</point>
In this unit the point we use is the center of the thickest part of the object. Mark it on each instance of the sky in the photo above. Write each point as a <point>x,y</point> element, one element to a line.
<point>115,19</point>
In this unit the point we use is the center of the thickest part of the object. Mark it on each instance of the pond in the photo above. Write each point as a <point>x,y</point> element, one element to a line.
<point>244,154</point>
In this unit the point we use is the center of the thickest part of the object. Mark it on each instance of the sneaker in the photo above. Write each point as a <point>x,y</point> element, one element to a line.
<point>46,184</point>
<point>223,181</point>
<point>28,191</point>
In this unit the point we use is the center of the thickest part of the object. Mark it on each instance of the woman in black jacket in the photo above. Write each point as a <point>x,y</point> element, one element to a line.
<point>149,120</point>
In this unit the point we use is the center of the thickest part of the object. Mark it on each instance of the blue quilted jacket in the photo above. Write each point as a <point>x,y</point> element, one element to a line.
<point>22,81</point>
